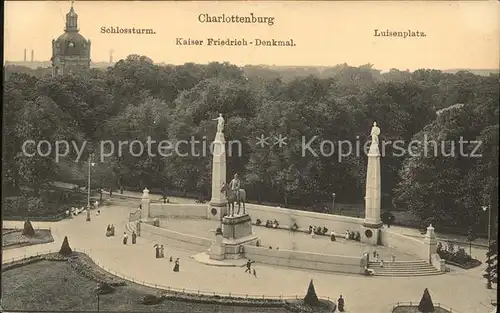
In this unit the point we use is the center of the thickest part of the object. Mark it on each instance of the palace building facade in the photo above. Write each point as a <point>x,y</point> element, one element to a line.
<point>71,51</point>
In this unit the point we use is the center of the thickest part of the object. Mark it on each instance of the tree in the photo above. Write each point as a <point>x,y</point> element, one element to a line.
<point>311,298</point>
<point>426,305</point>
<point>491,273</point>
<point>28,229</point>
<point>65,248</point>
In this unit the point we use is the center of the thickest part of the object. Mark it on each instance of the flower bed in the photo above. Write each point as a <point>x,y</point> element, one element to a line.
<point>299,306</point>
<point>414,309</point>
<point>216,299</point>
<point>457,257</point>
<point>15,237</point>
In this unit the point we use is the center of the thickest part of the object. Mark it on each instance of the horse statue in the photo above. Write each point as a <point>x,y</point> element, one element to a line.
<point>232,198</point>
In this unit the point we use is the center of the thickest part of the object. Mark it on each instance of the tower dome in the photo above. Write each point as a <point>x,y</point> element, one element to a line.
<point>70,51</point>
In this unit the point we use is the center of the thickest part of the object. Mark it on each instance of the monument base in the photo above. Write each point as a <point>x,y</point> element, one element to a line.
<point>217,250</point>
<point>370,234</point>
<point>236,232</point>
<point>216,211</point>
<point>236,227</point>
<point>234,247</point>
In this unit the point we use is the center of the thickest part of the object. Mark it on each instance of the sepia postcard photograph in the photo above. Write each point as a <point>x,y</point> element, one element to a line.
<point>250,156</point>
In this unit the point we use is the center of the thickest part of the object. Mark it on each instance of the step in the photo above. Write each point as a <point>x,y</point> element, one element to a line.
<point>404,271</point>
<point>407,275</point>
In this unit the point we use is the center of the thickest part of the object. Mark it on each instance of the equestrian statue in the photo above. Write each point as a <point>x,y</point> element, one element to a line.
<point>234,194</point>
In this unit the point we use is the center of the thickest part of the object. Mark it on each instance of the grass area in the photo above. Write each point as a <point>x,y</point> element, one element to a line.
<point>49,203</point>
<point>50,285</point>
<point>414,309</point>
<point>13,238</point>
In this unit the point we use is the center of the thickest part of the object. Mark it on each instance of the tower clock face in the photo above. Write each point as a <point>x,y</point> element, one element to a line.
<point>71,45</point>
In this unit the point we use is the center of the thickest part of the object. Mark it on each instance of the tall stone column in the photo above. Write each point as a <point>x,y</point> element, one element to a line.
<point>218,203</point>
<point>145,204</point>
<point>372,223</point>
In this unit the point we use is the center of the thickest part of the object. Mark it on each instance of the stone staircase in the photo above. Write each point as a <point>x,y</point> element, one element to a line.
<point>130,227</point>
<point>404,269</point>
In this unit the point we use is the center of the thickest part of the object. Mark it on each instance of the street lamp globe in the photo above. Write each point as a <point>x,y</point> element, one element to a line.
<point>484,208</point>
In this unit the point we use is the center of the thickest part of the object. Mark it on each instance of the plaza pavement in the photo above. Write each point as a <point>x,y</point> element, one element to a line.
<point>464,291</point>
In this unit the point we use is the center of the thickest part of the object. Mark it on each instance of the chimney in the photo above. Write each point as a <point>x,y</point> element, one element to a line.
<point>32,55</point>
<point>24,55</point>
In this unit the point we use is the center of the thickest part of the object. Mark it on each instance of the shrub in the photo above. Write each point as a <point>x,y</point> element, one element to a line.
<point>450,247</point>
<point>324,231</point>
<point>65,248</point>
<point>439,247</point>
<point>150,300</point>
<point>28,229</point>
<point>387,218</point>
<point>258,222</point>
<point>352,235</point>
<point>426,305</point>
<point>104,288</point>
<point>34,205</point>
<point>311,298</point>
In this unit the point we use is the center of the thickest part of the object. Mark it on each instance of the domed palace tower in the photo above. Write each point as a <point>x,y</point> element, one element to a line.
<point>71,51</point>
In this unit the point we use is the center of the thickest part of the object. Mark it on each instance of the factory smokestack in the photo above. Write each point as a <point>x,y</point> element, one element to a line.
<point>24,55</point>
<point>32,55</point>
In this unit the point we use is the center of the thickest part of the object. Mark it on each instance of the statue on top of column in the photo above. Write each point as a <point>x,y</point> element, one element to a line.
<point>220,123</point>
<point>375,132</point>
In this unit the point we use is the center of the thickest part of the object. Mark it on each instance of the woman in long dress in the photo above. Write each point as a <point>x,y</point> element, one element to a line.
<point>157,250</point>
<point>176,266</point>
<point>125,238</point>
<point>162,254</point>
<point>134,237</point>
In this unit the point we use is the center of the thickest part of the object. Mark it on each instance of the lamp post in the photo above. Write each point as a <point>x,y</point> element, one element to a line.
<point>333,203</point>
<point>91,163</point>
<point>488,208</point>
<point>98,293</point>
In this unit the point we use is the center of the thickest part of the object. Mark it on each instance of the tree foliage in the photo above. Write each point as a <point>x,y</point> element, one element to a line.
<point>311,298</point>
<point>65,248</point>
<point>426,305</point>
<point>137,99</point>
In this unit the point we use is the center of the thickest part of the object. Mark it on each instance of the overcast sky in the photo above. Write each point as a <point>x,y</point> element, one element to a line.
<point>459,34</point>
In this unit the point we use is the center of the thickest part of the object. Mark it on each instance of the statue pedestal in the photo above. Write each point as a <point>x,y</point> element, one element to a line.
<point>237,232</point>
<point>217,249</point>
<point>370,234</point>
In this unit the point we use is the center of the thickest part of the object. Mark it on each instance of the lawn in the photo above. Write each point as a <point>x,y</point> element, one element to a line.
<point>51,285</point>
<point>414,309</point>
<point>14,238</point>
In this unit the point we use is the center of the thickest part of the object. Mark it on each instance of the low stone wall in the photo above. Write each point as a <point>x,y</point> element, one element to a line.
<point>287,217</point>
<point>405,244</point>
<point>438,263</point>
<point>304,260</point>
<point>165,236</point>
<point>178,210</point>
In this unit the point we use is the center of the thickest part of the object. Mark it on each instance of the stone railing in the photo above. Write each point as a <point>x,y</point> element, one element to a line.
<point>135,216</point>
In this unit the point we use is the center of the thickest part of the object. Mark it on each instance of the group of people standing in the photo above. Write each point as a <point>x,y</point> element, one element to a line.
<point>110,230</point>
<point>160,253</point>
<point>125,238</point>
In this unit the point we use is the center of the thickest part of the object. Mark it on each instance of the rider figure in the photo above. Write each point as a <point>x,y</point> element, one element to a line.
<point>235,186</point>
